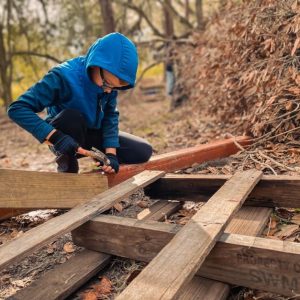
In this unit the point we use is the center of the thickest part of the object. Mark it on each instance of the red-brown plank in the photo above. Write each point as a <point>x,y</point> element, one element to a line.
<point>179,159</point>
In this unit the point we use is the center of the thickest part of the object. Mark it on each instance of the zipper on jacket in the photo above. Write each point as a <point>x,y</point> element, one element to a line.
<point>98,110</point>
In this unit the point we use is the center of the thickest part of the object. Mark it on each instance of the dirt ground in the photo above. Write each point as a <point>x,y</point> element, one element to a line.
<point>144,116</point>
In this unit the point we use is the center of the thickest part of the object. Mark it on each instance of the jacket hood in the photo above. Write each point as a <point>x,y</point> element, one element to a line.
<point>116,54</point>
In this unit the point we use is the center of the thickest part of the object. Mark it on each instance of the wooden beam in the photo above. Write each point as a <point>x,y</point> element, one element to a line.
<point>31,189</point>
<point>271,191</point>
<point>160,210</point>
<point>143,239</point>
<point>200,288</point>
<point>258,263</point>
<point>64,279</point>
<point>253,262</point>
<point>47,232</point>
<point>247,221</point>
<point>38,190</point>
<point>179,159</point>
<point>193,243</point>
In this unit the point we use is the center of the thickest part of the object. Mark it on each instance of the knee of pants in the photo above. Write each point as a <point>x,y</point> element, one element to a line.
<point>145,153</point>
<point>69,121</point>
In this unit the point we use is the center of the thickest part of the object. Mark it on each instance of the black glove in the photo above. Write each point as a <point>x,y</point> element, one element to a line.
<point>63,143</point>
<point>114,163</point>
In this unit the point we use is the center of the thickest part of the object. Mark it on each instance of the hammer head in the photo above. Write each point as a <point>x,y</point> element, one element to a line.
<point>100,156</point>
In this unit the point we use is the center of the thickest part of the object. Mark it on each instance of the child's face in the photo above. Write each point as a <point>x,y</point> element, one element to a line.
<point>106,80</point>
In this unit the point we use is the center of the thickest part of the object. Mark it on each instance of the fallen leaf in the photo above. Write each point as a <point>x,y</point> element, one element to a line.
<point>296,45</point>
<point>69,247</point>
<point>142,204</point>
<point>89,296</point>
<point>104,287</point>
<point>118,207</point>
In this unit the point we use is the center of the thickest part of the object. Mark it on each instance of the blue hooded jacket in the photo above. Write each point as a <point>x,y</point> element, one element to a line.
<point>68,85</point>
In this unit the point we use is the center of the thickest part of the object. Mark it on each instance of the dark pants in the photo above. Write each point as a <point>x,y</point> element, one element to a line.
<point>132,150</point>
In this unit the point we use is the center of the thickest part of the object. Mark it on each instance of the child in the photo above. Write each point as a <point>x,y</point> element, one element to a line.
<point>80,96</point>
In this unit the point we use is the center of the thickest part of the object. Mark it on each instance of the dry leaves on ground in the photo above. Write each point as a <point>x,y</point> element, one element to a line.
<point>99,290</point>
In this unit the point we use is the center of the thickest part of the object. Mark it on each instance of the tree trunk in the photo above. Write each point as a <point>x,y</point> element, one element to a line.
<point>199,14</point>
<point>187,9</point>
<point>5,71</point>
<point>107,15</point>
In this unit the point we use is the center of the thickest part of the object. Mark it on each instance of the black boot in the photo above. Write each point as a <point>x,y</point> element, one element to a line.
<point>67,164</point>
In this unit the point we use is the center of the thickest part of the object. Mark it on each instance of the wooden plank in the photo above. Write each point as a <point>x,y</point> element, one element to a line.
<point>47,232</point>
<point>143,239</point>
<point>167,209</point>
<point>64,279</point>
<point>249,221</point>
<point>31,189</point>
<point>153,209</point>
<point>193,243</point>
<point>202,288</point>
<point>271,191</point>
<point>126,237</point>
<point>253,262</point>
<point>258,263</point>
<point>180,159</point>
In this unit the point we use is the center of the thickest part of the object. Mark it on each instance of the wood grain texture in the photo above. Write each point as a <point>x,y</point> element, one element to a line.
<point>247,221</point>
<point>165,210</point>
<point>28,189</point>
<point>125,237</point>
<point>66,278</point>
<point>143,239</point>
<point>63,280</point>
<point>200,288</point>
<point>271,191</point>
<point>31,189</point>
<point>47,232</point>
<point>179,159</point>
<point>258,263</point>
<point>193,243</point>
<point>253,262</point>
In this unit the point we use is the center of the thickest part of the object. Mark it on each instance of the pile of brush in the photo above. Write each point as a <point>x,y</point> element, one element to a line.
<point>245,66</point>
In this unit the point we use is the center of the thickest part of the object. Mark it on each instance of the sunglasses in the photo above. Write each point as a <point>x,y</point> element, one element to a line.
<point>107,85</point>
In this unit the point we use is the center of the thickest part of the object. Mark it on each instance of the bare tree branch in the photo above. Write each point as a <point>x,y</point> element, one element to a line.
<point>140,11</point>
<point>145,70</point>
<point>173,11</point>
<point>31,53</point>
